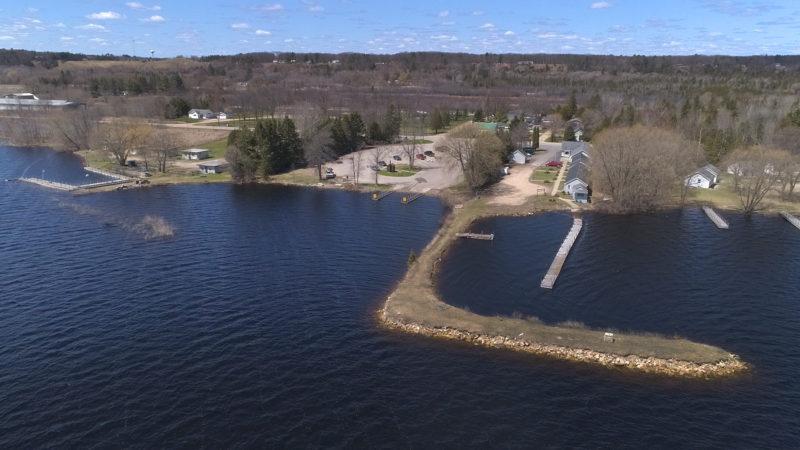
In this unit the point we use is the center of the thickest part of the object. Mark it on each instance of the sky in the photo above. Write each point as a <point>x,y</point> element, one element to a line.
<point>203,27</point>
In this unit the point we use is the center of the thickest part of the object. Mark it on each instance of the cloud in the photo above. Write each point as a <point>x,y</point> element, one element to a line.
<point>487,26</point>
<point>155,19</point>
<point>91,27</point>
<point>444,37</point>
<point>240,26</point>
<point>600,5</point>
<point>137,5</point>
<point>104,15</point>
<point>7,38</point>
<point>275,7</point>
<point>509,33</point>
<point>315,8</point>
<point>263,33</point>
<point>66,38</point>
<point>740,7</point>
<point>444,13</point>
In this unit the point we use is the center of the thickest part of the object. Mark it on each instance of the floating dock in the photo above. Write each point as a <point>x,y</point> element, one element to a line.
<point>716,218</point>
<point>378,196</point>
<point>479,236</point>
<point>792,219</point>
<point>558,262</point>
<point>114,179</point>
<point>408,198</point>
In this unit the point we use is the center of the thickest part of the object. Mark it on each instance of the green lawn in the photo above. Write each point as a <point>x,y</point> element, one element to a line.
<point>546,175</point>
<point>186,120</point>
<point>216,148</point>
<point>401,170</point>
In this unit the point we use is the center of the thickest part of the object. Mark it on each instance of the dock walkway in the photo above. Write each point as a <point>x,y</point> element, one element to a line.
<point>114,179</point>
<point>550,277</point>
<point>479,236</point>
<point>791,219</point>
<point>716,218</point>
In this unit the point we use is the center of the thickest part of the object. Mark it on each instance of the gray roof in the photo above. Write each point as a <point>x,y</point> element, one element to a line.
<point>201,111</point>
<point>573,147</point>
<point>214,163</point>
<point>195,150</point>
<point>711,168</point>
<point>580,157</point>
<point>578,171</point>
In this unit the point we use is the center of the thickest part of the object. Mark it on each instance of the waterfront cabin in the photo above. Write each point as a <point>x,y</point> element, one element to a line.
<point>518,157</point>
<point>213,166</point>
<point>705,177</point>
<point>576,183</point>
<point>195,154</point>
<point>201,114</point>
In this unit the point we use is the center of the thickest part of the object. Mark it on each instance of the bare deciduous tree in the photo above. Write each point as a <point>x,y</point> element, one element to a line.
<point>122,138</point>
<point>478,154</point>
<point>164,145</point>
<point>755,172</point>
<point>376,155</point>
<point>355,160</point>
<point>640,167</point>
<point>75,129</point>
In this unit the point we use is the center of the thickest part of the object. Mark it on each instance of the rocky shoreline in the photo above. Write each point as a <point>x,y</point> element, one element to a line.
<point>652,365</point>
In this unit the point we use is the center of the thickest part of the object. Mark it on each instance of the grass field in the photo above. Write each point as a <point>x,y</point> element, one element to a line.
<point>402,170</point>
<point>546,175</point>
<point>217,148</point>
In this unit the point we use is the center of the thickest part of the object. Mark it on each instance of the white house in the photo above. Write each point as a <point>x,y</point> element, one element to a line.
<point>705,177</point>
<point>195,154</point>
<point>201,114</point>
<point>569,148</point>
<point>577,182</point>
<point>213,166</point>
<point>518,157</point>
<point>222,116</point>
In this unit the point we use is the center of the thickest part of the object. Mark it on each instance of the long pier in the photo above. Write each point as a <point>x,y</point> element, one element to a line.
<point>479,236</point>
<point>115,179</point>
<point>792,219</point>
<point>550,277</point>
<point>49,184</point>
<point>716,218</point>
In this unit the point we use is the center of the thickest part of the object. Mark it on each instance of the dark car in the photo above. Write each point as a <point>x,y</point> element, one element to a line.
<point>429,153</point>
<point>554,164</point>
<point>382,163</point>
<point>396,157</point>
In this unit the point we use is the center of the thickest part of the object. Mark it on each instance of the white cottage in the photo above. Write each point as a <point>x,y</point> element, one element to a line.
<point>518,157</point>
<point>705,177</point>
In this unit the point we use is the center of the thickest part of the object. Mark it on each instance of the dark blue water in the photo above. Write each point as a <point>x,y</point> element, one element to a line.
<point>220,316</point>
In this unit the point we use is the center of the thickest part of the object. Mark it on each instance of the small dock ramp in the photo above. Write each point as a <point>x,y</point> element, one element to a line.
<point>478,236</point>
<point>380,195</point>
<point>716,218</point>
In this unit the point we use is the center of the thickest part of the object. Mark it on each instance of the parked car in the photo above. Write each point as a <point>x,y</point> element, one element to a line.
<point>382,163</point>
<point>375,168</point>
<point>554,164</point>
<point>397,158</point>
<point>429,153</point>
<point>329,174</point>
<point>421,156</point>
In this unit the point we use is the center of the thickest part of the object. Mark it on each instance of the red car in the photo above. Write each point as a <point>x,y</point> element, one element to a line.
<point>420,156</point>
<point>554,164</point>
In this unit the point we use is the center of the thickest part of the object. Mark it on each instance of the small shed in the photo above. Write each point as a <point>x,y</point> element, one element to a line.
<point>518,157</point>
<point>214,166</point>
<point>195,154</point>
<point>705,177</point>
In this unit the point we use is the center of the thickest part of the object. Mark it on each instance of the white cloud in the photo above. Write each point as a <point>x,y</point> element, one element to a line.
<point>92,27</point>
<point>240,26</point>
<point>66,38</point>
<point>315,8</point>
<point>444,37</point>
<point>272,8</point>
<point>104,15</point>
<point>487,26</point>
<point>601,5</point>
<point>7,38</point>
<point>134,5</point>
<point>444,13</point>
<point>288,41</point>
<point>60,25</point>
<point>263,33</point>
<point>509,33</point>
<point>155,19</point>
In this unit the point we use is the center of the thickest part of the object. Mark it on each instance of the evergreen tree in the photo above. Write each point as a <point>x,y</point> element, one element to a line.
<point>569,110</point>
<point>478,116</point>
<point>569,134</point>
<point>535,138</point>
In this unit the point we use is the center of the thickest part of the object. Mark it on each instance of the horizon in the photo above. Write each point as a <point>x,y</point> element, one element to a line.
<point>587,27</point>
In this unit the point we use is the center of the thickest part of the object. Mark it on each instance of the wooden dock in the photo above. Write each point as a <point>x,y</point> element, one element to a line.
<point>408,198</point>
<point>791,219</point>
<point>479,236</point>
<point>550,277</point>
<point>716,218</point>
<point>114,179</point>
<point>49,184</point>
<point>378,196</point>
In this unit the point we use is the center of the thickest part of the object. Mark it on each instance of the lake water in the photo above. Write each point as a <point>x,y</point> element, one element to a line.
<point>221,316</point>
